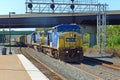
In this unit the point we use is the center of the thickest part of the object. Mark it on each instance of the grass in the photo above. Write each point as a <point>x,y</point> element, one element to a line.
<point>115,51</point>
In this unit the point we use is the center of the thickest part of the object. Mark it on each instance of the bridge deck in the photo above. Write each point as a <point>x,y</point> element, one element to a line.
<point>52,19</point>
<point>28,15</point>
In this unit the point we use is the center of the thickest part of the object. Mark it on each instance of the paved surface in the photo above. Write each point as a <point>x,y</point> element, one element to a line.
<point>18,67</point>
<point>34,73</point>
<point>12,69</point>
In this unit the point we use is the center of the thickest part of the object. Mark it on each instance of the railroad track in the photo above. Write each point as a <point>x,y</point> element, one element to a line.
<point>117,65</point>
<point>83,71</point>
<point>51,74</point>
<point>92,77</point>
<point>104,63</point>
<point>88,70</point>
<point>98,72</point>
<point>102,74</point>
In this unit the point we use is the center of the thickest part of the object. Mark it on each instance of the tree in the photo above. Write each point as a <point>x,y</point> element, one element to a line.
<point>113,38</point>
<point>42,29</point>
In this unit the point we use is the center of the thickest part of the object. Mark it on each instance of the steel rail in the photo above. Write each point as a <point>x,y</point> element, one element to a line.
<point>61,77</point>
<point>101,71</point>
<point>104,63</point>
<point>86,72</point>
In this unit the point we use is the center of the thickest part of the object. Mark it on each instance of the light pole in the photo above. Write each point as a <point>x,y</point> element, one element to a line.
<point>10,13</point>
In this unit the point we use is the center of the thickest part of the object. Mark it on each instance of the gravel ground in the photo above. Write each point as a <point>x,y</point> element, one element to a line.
<point>108,70</point>
<point>43,69</point>
<point>64,69</point>
<point>102,72</point>
<point>102,68</point>
<point>106,57</point>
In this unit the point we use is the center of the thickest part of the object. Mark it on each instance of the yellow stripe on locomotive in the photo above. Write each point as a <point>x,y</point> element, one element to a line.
<point>69,40</point>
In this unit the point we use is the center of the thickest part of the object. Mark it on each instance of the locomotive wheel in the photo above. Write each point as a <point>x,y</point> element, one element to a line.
<point>56,55</point>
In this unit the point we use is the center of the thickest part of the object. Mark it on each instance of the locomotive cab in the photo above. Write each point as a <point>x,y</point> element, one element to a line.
<point>68,42</point>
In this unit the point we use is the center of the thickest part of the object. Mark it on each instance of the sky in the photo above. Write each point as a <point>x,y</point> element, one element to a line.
<point>113,4</point>
<point>7,6</point>
<point>18,6</point>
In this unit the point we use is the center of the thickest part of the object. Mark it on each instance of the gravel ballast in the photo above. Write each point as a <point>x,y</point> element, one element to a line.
<point>69,72</point>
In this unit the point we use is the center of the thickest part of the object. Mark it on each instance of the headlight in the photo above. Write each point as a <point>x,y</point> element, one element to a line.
<point>66,51</point>
<point>78,51</point>
<point>71,35</point>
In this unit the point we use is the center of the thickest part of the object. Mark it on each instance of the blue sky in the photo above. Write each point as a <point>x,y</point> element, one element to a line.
<point>7,6</point>
<point>18,6</point>
<point>113,4</point>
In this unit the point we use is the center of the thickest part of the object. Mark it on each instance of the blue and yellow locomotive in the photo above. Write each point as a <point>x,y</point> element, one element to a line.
<point>63,42</point>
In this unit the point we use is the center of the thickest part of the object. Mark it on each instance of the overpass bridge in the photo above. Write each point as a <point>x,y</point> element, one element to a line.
<point>51,19</point>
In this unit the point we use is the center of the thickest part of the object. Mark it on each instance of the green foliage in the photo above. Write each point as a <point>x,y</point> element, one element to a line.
<point>113,40</point>
<point>86,38</point>
<point>113,36</point>
<point>42,29</point>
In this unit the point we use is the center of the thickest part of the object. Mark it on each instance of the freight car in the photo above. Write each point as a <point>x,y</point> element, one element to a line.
<point>33,39</point>
<point>63,42</point>
<point>21,41</point>
<point>28,40</point>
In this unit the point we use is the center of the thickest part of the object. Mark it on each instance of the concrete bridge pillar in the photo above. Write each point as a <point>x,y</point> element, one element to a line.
<point>92,30</point>
<point>92,39</point>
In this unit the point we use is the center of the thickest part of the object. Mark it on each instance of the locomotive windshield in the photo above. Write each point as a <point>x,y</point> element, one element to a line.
<point>68,28</point>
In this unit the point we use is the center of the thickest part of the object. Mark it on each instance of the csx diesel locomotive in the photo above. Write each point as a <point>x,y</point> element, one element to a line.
<point>63,42</point>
